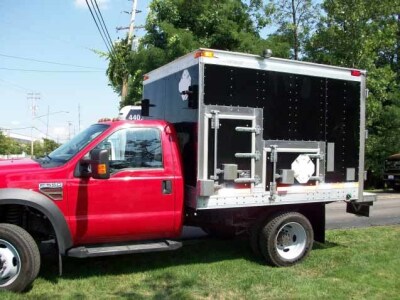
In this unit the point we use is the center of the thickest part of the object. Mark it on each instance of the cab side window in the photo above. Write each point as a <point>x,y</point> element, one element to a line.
<point>134,148</point>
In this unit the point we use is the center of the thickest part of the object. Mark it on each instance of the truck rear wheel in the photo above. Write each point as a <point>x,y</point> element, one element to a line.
<point>286,239</point>
<point>19,258</point>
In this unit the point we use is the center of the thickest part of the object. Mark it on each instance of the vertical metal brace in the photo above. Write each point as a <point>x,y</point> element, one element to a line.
<point>274,160</point>
<point>318,156</point>
<point>215,125</point>
<point>253,156</point>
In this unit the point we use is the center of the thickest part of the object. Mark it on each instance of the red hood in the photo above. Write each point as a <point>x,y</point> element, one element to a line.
<point>14,171</point>
<point>10,165</point>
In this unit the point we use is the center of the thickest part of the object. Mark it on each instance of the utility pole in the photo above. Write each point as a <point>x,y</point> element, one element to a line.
<point>124,91</point>
<point>47,121</point>
<point>32,98</point>
<point>69,129</point>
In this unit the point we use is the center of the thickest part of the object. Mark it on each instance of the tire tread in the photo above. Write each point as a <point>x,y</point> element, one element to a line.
<point>268,233</point>
<point>31,250</point>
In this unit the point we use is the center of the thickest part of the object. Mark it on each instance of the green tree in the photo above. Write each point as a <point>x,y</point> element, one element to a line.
<point>41,148</point>
<point>365,34</point>
<point>176,27</point>
<point>294,19</point>
<point>9,146</point>
<point>3,144</point>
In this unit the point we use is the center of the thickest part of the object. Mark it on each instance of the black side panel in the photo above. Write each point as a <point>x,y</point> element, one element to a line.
<point>230,86</point>
<point>343,126</point>
<point>167,102</point>
<point>44,205</point>
<point>278,108</point>
<point>229,142</point>
<point>295,107</point>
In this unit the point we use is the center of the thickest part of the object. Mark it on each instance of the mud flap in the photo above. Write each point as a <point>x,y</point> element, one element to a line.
<point>359,208</point>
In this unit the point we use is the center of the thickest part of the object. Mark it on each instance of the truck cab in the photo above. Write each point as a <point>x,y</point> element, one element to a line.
<point>115,182</point>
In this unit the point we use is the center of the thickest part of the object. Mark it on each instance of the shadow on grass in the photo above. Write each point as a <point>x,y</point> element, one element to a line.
<point>326,245</point>
<point>164,286</point>
<point>193,252</point>
<point>199,251</point>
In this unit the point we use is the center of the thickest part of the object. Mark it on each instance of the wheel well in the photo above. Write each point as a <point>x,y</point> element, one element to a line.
<point>242,220</point>
<point>314,212</point>
<point>29,218</point>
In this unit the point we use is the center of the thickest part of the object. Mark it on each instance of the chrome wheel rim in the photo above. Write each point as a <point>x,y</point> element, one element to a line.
<point>10,263</point>
<point>291,241</point>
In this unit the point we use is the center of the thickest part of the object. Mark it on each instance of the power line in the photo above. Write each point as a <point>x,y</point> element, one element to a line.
<point>48,71</point>
<point>48,62</point>
<point>105,26</point>
<point>16,85</point>
<point>43,133</point>
<point>102,25</point>
<point>97,25</point>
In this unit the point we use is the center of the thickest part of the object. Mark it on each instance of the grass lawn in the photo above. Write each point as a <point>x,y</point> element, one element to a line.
<point>353,264</point>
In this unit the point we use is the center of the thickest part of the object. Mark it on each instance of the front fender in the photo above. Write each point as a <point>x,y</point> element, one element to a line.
<point>44,205</point>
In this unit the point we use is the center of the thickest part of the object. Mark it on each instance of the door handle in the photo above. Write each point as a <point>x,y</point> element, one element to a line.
<point>167,187</point>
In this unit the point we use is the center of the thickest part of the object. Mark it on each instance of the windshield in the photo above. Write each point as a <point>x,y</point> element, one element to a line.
<point>68,150</point>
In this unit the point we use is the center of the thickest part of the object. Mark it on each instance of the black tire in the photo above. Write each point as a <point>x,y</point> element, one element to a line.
<point>286,239</point>
<point>19,258</point>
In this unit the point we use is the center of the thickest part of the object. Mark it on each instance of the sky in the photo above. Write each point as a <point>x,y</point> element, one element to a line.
<point>60,31</point>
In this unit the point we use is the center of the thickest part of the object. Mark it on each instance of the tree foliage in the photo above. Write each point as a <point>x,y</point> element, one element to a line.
<point>9,146</point>
<point>41,148</point>
<point>365,34</point>
<point>294,19</point>
<point>176,27</point>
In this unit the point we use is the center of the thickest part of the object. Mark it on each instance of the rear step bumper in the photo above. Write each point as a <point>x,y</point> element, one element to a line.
<point>119,249</point>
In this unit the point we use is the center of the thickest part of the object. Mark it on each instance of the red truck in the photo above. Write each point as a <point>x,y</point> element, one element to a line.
<point>232,143</point>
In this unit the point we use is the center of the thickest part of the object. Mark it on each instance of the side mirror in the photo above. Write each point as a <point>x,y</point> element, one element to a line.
<point>100,164</point>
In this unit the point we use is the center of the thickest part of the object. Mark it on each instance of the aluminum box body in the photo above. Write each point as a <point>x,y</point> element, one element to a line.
<point>258,115</point>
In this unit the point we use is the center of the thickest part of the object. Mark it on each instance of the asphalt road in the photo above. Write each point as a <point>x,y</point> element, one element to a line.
<point>385,211</point>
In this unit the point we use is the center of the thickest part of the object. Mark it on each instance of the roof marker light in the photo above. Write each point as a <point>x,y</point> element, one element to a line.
<point>203,53</point>
<point>355,73</point>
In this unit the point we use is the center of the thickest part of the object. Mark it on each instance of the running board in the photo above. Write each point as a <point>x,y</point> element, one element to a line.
<point>119,249</point>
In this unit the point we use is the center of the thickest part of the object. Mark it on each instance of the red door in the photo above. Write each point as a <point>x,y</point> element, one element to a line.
<point>137,202</point>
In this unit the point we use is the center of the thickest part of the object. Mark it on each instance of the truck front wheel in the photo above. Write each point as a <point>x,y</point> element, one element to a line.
<point>286,239</point>
<point>19,258</point>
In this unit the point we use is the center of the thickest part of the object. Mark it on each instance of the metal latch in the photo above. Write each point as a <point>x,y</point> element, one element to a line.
<point>256,155</point>
<point>256,130</point>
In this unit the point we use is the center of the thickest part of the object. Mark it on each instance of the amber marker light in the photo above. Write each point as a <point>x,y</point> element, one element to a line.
<point>102,169</point>
<point>203,53</point>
